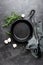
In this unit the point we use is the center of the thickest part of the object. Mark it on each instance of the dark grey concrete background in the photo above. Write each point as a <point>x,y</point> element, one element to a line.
<point>18,56</point>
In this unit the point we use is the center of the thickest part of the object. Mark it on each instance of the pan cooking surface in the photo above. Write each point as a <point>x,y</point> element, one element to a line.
<point>21,30</point>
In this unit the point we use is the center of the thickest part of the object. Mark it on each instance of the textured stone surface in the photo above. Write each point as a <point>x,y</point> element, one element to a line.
<point>18,56</point>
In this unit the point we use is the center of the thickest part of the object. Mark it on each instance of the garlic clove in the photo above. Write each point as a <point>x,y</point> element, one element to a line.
<point>23,15</point>
<point>6,41</point>
<point>9,40</point>
<point>14,45</point>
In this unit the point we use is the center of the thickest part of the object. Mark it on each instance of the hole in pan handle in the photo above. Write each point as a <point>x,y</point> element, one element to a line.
<point>31,14</point>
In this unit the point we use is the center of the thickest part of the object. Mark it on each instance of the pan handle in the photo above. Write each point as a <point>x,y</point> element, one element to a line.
<point>31,14</point>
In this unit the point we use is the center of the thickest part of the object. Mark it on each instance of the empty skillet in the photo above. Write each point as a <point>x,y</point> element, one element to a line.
<point>22,30</point>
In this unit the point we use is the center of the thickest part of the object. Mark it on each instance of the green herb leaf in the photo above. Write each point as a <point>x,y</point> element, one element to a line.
<point>9,20</point>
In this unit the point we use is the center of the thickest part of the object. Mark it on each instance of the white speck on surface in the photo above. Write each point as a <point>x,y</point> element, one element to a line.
<point>23,15</point>
<point>9,40</point>
<point>14,45</point>
<point>6,41</point>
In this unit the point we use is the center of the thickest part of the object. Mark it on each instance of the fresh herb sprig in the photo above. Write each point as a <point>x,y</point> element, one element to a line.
<point>9,20</point>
